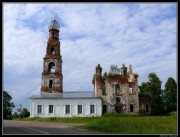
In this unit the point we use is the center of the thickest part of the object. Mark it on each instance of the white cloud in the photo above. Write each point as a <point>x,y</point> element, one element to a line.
<point>140,34</point>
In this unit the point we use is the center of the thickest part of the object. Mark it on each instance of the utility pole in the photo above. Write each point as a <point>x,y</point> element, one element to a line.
<point>19,110</point>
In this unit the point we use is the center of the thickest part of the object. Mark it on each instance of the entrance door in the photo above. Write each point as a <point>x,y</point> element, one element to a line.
<point>104,109</point>
<point>118,109</point>
<point>131,108</point>
<point>147,108</point>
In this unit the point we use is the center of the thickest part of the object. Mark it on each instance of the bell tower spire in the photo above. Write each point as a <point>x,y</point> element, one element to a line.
<point>52,78</point>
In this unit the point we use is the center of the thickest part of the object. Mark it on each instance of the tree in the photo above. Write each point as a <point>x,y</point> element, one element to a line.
<point>153,89</point>
<point>104,75</point>
<point>7,105</point>
<point>170,95</point>
<point>144,89</point>
<point>15,115</point>
<point>114,69</point>
<point>24,113</point>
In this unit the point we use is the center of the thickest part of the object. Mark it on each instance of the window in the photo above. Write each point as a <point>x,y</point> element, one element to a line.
<point>39,109</point>
<point>131,108</point>
<point>104,90</point>
<point>50,83</point>
<point>91,109</point>
<point>67,109</point>
<point>118,100</point>
<point>130,89</point>
<point>51,67</point>
<point>52,51</point>
<point>117,88</point>
<point>50,108</point>
<point>79,109</point>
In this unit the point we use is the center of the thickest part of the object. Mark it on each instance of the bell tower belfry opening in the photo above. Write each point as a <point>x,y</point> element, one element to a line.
<point>52,78</point>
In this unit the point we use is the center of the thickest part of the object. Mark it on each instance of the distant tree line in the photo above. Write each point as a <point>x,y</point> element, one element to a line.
<point>162,101</point>
<point>23,113</point>
<point>8,108</point>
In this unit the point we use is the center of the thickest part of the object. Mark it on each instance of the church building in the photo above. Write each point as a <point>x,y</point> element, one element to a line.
<point>112,93</point>
<point>118,90</point>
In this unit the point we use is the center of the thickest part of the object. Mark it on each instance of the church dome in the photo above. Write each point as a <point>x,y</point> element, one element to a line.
<point>54,25</point>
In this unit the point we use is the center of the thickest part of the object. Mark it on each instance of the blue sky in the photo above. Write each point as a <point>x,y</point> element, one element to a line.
<point>141,34</point>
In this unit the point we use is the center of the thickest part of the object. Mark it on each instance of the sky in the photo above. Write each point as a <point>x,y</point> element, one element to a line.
<point>141,34</point>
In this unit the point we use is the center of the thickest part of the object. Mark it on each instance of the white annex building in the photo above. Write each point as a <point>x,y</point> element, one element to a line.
<point>115,92</point>
<point>66,104</point>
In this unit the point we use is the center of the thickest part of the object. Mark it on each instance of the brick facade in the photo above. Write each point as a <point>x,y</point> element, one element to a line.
<point>119,93</point>
<point>52,78</point>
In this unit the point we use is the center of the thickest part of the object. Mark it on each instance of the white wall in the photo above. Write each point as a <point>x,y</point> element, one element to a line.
<point>59,107</point>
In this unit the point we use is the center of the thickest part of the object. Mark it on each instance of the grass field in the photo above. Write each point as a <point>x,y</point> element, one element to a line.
<point>122,124</point>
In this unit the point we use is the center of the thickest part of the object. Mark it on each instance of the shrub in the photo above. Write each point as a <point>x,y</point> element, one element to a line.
<point>110,114</point>
<point>136,75</point>
<point>52,118</point>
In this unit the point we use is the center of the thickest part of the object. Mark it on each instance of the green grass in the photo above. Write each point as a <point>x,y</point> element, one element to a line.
<point>135,124</point>
<point>122,124</point>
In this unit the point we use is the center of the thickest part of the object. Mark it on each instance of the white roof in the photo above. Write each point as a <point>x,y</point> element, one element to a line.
<point>85,94</point>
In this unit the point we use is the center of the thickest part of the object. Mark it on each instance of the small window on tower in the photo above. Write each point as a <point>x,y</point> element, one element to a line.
<point>130,88</point>
<point>50,83</point>
<point>52,51</point>
<point>51,67</point>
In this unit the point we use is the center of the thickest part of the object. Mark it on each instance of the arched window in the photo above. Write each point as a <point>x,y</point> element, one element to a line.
<point>52,51</point>
<point>51,67</point>
<point>130,88</point>
<point>50,83</point>
<point>118,100</point>
<point>117,88</point>
<point>131,108</point>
